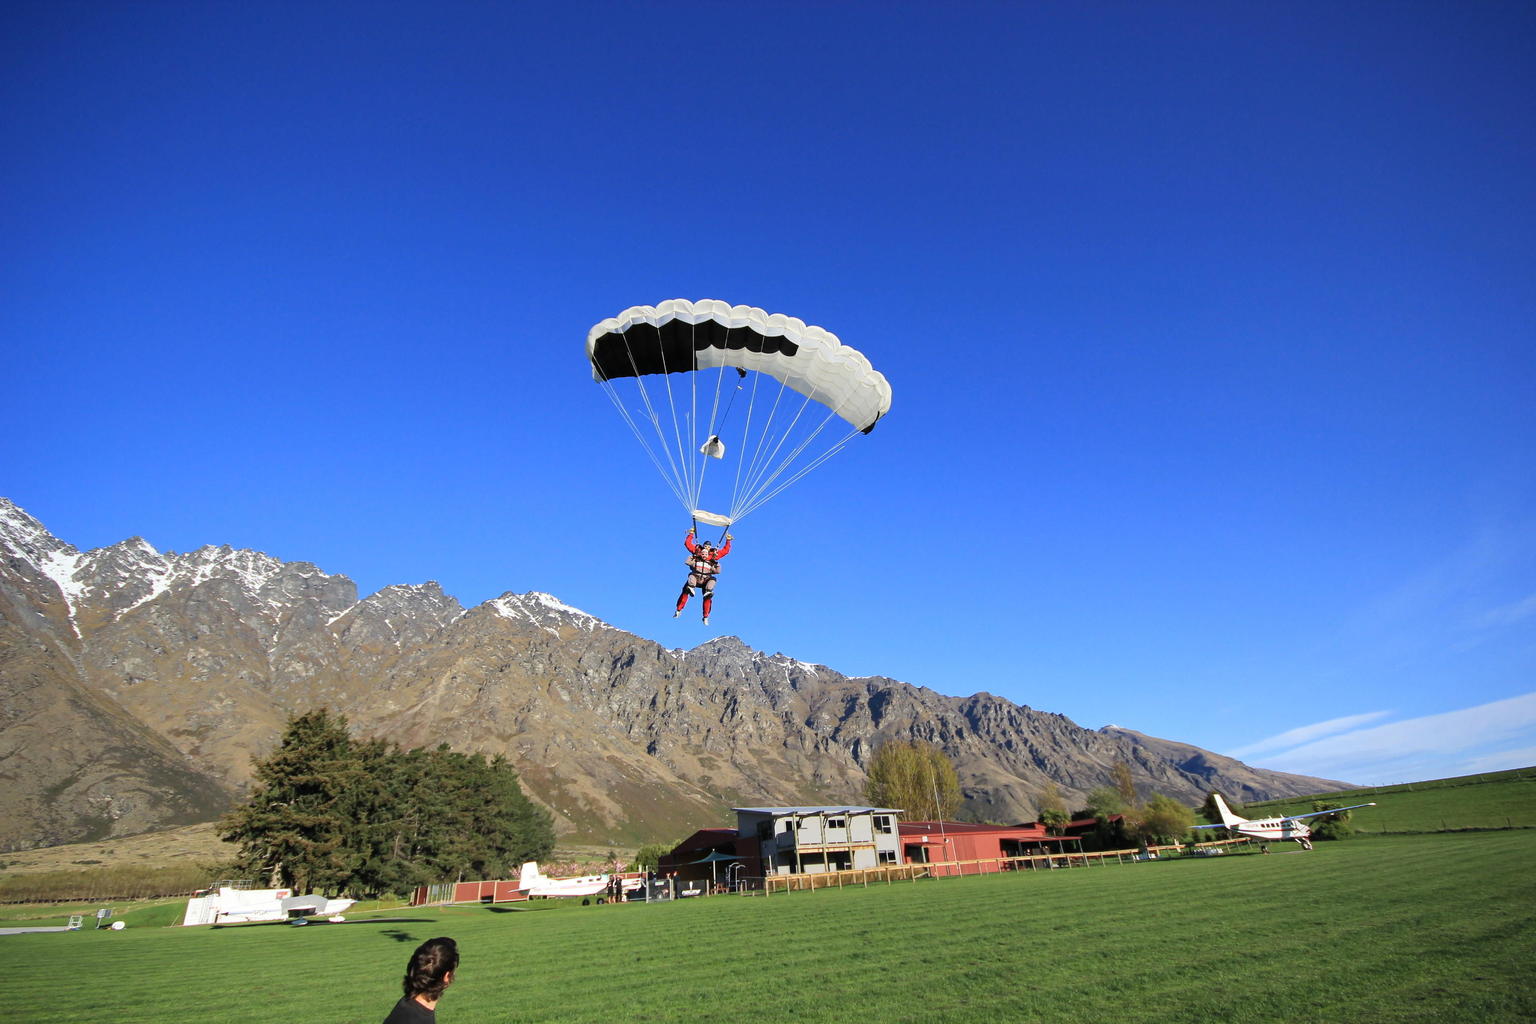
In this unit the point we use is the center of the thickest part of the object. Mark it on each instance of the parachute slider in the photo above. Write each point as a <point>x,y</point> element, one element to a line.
<point>714,447</point>
<point>711,518</point>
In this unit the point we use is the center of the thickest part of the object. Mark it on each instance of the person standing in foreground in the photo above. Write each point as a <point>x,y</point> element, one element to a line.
<point>428,974</point>
<point>703,566</point>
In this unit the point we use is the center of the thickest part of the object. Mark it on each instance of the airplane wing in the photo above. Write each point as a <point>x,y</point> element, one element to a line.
<point>1334,810</point>
<point>1217,825</point>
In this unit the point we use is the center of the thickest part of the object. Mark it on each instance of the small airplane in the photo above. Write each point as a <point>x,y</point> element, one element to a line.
<point>1288,826</point>
<point>228,905</point>
<point>535,883</point>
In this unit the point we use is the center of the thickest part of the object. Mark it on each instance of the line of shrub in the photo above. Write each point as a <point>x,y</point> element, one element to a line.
<point>118,883</point>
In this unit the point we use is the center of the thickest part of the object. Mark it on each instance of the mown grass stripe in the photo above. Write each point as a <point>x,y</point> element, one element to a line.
<point>1414,928</point>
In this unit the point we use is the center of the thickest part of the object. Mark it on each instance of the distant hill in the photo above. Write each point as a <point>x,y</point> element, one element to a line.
<point>1488,801</point>
<point>137,685</point>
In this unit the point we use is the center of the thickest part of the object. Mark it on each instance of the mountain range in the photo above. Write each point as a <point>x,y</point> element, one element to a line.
<point>136,687</point>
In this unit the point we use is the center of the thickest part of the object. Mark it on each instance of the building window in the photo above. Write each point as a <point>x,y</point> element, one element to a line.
<point>837,823</point>
<point>887,856</point>
<point>883,824</point>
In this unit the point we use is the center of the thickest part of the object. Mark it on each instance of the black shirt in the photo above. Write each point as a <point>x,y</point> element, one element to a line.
<point>409,1011</point>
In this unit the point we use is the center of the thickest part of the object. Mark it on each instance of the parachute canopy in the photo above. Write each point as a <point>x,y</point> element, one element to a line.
<point>675,371</point>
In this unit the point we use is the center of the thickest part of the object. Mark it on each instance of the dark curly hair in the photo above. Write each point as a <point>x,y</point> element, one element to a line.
<point>430,965</point>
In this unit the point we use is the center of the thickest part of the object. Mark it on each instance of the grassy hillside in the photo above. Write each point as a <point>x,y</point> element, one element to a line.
<point>1410,928</point>
<point>1495,800</point>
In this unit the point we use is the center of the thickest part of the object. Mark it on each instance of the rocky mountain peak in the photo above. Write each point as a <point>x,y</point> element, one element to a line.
<point>31,549</point>
<point>545,611</point>
<point>147,681</point>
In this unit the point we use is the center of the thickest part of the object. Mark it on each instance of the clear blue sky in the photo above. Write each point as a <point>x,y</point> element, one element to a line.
<point>1210,330</point>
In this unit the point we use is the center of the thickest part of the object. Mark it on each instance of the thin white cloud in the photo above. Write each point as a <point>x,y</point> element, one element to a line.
<point>1460,599</point>
<point>1497,734</point>
<point>1521,758</point>
<point>1509,614</point>
<point>1307,733</point>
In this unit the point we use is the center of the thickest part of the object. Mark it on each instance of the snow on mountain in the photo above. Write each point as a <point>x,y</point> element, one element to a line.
<point>116,579</point>
<point>543,610</point>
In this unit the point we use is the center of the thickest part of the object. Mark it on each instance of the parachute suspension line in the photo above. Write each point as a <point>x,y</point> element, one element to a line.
<point>759,454</point>
<point>695,481</point>
<point>753,466</point>
<point>765,473</point>
<point>712,432</point>
<point>763,493</point>
<point>675,474</point>
<point>685,474</point>
<point>670,478</point>
<point>740,374</point>
<point>767,477</point>
<point>676,457</point>
<point>802,471</point>
<point>746,427</point>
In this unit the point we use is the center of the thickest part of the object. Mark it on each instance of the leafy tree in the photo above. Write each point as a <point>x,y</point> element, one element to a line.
<point>291,830</point>
<point>1055,820</point>
<point>647,857</point>
<point>362,816</point>
<point>917,778</point>
<point>1049,798</point>
<point>1125,783</point>
<point>1052,808</point>
<point>1334,826</point>
<point>1162,819</point>
<point>1104,803</point>
<point>1107,808</point>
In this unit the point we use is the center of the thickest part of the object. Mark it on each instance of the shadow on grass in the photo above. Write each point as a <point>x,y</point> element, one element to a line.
<point>310,922</point>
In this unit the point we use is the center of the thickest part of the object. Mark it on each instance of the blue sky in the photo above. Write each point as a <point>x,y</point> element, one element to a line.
<point>1210,330</point>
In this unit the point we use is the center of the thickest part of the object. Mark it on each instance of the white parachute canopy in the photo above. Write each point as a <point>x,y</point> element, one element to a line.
<point>687,376</point>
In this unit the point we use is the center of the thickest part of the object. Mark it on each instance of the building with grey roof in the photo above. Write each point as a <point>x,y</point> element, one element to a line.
<point>809,840</point>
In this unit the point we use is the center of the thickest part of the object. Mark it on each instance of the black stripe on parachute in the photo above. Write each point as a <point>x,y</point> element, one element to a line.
<point>644,349</point>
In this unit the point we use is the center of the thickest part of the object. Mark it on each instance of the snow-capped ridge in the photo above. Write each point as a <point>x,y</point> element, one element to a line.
<point>30,539</point>
<point>542,610</point>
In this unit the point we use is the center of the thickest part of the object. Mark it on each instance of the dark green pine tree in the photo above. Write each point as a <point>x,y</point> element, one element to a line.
<point>293,830</point>
<point>515,828</point>
<point>331,813</point>
<point>385,820</point>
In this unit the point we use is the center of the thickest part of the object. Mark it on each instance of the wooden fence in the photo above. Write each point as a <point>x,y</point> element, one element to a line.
<point>892,873</point>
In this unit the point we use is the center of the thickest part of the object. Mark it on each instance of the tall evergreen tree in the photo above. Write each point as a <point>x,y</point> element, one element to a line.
<point>292,830</point>
<point>335,814</point>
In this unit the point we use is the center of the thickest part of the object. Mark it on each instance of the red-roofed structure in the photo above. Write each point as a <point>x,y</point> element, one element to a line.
<point>963,847</point>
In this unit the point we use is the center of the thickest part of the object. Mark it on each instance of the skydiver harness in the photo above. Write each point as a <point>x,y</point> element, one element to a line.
<point>702,566</point>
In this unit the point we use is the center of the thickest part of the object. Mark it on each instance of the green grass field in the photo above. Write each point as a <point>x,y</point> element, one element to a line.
<point>1496,800</point>
<point>1403,928</point>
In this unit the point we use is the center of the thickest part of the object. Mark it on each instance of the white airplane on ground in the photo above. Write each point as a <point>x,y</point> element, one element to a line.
<point>535,883</point>
<point>226,905</point>
<point>1288,826</point>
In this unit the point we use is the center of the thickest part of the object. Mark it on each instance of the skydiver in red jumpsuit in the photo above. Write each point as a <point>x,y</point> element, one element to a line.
<point>703,566</point>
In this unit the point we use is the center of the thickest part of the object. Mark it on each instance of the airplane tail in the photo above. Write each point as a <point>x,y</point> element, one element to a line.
<point>1228,819</point>
<point>531,876</point>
